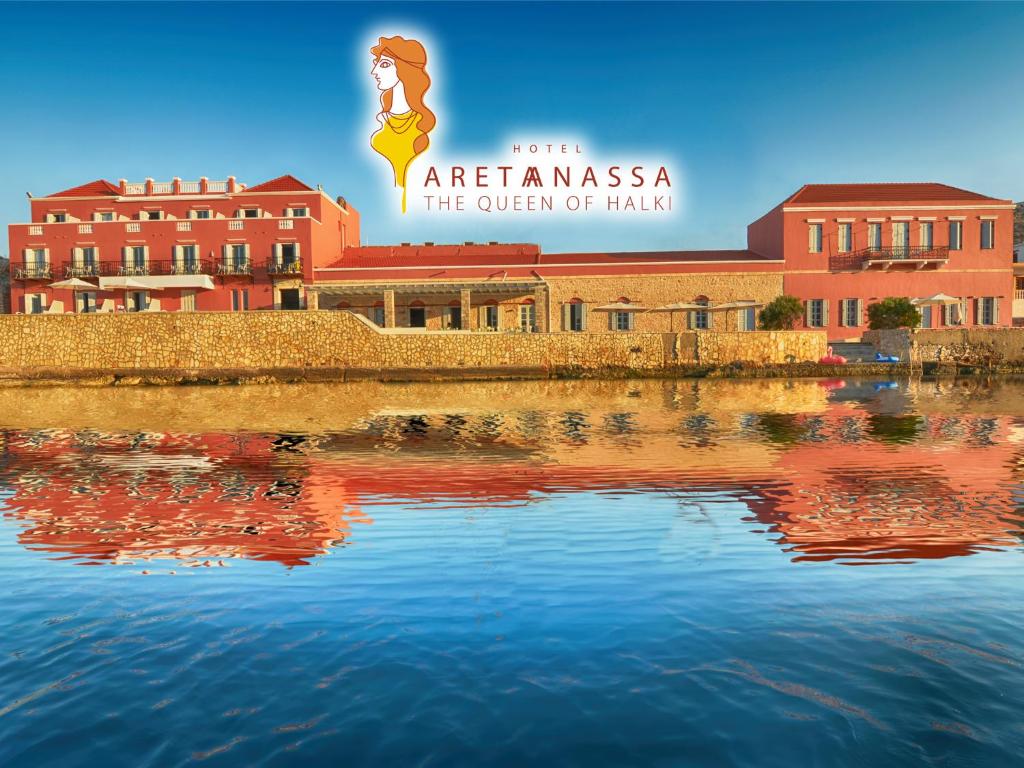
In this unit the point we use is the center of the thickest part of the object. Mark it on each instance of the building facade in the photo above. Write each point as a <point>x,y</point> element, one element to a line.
<point>176,246</point>
<point>206,245</point>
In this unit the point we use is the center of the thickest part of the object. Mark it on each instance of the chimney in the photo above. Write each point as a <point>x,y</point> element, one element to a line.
<point>232,186</point>
<point>204,185</point>
<point>176,185</point>
<point>149,186</point>
<point>123,184</point>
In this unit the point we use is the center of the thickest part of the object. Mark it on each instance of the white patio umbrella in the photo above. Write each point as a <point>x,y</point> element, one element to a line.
<point>619,306</point>
<point>938,300</point>
<point>125,283</point>
<point>74,285</point>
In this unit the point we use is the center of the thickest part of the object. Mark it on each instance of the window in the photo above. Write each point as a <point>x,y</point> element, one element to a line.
<point>814,238</point>
<point>84,262</point>
<point>34,303</point>
<point>453,318</point>
<point>699,319</point>
<point>378,316</point>
<point>137,301</point>
<point>36,257</point>
<point>103,216</point>
<point>851,312</point>
<point>574,316</point>
<point>56,218</point>
<point>201,213</point>
<point>239,299</point>
<point>988,311</point>
<point>988,235</point>
<point>926,317</point>
<point>250,213</point>
<point>135,260</point>
<point>417,316</point>
<point>845,238</point>
<point>874,236</point>
<point>151,215</point>
<point>901,237</point>
<point>237,257</point>
<point>817,313</point>
<point>747,320</point>
<point>952,314</point>
<point>956,235</point>
<point>187,262</point>
<point>296,212</point>
<point>927,234</point>
<point>86,301</point>
<point>622,321</point>
<point>527,317</point>
<point>491,316</point>
<point>288,254</point>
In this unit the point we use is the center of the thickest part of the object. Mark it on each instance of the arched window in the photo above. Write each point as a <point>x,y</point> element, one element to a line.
<point>528,316</point>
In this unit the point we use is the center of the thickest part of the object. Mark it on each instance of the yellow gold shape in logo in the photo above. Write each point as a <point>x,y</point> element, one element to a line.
<point>400,69</point>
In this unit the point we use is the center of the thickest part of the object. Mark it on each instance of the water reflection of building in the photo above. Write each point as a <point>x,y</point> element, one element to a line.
<point>198,498</point>
<point>858,481</point>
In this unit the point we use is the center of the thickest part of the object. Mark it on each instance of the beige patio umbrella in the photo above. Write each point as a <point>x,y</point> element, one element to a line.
<point>619,306</point>
<point>938,300</point>
<point>679,306</point>
<point>127,284</point>
<point>74,285</point>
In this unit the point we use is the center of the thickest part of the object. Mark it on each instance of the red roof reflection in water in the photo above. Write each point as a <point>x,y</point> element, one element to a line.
<point>849,486</point>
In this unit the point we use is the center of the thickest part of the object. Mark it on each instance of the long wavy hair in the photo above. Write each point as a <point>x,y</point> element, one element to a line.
<point>411,61</point>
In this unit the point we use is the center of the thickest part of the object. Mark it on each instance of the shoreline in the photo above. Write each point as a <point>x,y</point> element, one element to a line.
<point>171,377</point>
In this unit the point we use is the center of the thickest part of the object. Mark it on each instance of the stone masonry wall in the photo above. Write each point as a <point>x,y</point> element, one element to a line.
<point>205,343</point>
<point>759,347</point>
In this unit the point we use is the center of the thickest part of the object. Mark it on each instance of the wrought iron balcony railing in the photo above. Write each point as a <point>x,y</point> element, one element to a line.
<point>142,269</point>
<point>82,270</point>
<point>286,267</point>
<point>889,256</point>
<point>31,271</point>
<point>235,268</point>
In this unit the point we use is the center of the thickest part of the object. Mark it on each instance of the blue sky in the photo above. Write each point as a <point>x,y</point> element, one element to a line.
<point>750,101</point>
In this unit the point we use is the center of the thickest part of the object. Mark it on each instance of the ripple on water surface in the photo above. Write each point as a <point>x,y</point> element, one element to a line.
<point>583,572</point>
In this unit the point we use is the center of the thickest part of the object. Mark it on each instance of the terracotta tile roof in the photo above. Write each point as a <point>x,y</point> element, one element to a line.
<point>907,192</point>
<point>92,189</point>
<point>286,183</point>
<point>627,257</point>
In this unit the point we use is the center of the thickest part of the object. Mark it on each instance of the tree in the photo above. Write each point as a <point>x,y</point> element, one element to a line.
<point>781,313</point>
<point>893,313</point>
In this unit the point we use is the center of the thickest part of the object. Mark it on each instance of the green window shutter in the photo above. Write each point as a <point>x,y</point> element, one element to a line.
<point>824,312</point>
<point>583,316</point>
<point>566,317</point>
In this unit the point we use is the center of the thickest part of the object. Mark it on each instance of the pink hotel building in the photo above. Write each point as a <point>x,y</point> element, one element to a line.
<point>283,245</point>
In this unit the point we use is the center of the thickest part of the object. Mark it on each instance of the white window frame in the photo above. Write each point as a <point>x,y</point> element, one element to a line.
<point>527,317</point>
<point>956,235</point>
<point>929,240</point>
<point>815,233</point>
<point>875,235</point>
<point>844,237</point>
<point>987,235</point>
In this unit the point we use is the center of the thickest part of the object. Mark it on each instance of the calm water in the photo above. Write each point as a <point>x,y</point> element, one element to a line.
<point>587,573</point>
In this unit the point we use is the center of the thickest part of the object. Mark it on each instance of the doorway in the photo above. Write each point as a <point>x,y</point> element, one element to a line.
<point>290,298</point>
<point>417,317</point>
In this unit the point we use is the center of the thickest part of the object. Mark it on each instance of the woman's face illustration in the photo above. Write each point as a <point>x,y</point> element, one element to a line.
<point>385,73</point>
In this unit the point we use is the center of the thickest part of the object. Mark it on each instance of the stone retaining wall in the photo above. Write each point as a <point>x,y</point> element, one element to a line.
<point>208,343</point>
<point>971,346</point>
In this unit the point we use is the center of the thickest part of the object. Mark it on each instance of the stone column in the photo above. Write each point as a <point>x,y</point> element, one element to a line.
<point>389,309</point>
<point>540,306</point>
<point>312,299</point>
<point>467,307</point>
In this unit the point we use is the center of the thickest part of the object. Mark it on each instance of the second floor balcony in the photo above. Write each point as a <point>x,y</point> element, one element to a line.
<point>37,271</point>
<point>886,258</point>
<point>150,267</point>
<point>284,267</point>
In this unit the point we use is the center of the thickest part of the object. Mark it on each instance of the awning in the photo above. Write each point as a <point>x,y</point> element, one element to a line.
<point>156,282</point>
<point>736,305</point>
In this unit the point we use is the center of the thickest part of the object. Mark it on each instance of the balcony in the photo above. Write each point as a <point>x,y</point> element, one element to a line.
<point>82,270</point>
<point>235,268</point>
<point>183,267</point>
<point>31,272</point>
<point>890,257</point>
<point>285,267</point>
